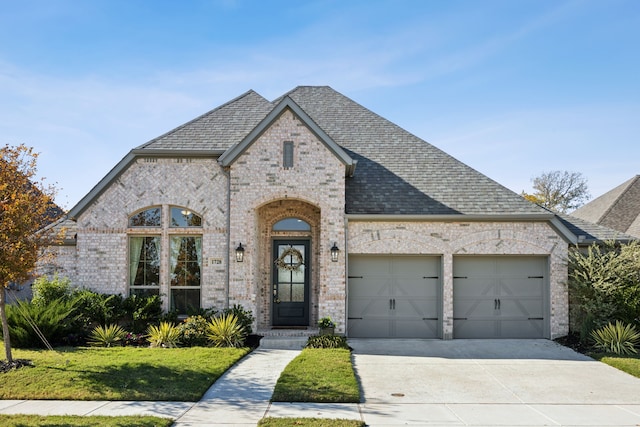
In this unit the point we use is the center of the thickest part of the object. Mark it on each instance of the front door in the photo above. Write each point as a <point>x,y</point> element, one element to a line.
<point>290,283</point>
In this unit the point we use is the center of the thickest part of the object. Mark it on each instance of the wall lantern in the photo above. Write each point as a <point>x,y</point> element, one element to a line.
<point>239,253</point>
<point>335,251</point>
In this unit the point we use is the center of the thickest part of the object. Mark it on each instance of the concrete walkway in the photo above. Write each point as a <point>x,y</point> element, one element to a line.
<point>411,382</point>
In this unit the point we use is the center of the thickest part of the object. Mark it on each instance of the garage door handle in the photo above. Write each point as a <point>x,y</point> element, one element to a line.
<point>460,277</point>
<point>430,277</point>
<point>355,277</point>
<point>459,318</point>
<point>392,304</point>
<point>429,318</point>
<point>355,318</point>
<point>536,277</point>
<point>536,318</point>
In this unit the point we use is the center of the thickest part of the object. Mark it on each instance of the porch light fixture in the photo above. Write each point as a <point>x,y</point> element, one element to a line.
<point>239,253</point>
<point>335,251</point>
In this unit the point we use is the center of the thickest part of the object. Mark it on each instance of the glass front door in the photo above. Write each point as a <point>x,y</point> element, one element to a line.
<point>290,305</point>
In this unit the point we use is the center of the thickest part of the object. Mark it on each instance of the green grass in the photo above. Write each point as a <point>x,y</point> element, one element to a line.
<point>308,422</point>
<point>628,364</point>
<point>318,375</point>
<point>118,373</point>
<point>77,421</point>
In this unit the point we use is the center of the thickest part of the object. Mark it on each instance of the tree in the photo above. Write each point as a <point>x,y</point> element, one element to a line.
<point>559,191</point>
<point>26,206</point>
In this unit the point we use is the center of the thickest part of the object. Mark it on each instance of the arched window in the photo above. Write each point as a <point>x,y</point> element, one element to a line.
<point>183,217</point>
<point>147,218</point>
<point>291,224</point>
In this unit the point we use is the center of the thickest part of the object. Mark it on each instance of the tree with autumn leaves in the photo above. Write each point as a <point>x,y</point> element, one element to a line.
<point>26,206</point>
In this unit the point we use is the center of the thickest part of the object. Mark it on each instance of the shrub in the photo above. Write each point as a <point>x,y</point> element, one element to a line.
<point>245,317</point>
<point>327,341</point>
<point>53,320</point>
<point>164,335</point>
<point>46,290</point>
<point>226,331</point>
<point>603,286</point>
<point>136,340</point>
<point>107,336</point>
<point>94,309</point>
<point>193,331</point>
<point>618,338</point>
<point>142,311</point>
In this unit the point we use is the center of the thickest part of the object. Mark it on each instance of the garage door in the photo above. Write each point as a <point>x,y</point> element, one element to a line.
<point>499,297</point>
<point>394,297</point>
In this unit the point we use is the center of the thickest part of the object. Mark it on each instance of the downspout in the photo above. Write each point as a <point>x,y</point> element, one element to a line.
<point>227,173</point>
<point>346,275</point>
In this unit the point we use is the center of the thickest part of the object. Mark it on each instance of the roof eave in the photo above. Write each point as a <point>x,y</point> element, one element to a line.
<point>451,218</point>
<point>123,164</point>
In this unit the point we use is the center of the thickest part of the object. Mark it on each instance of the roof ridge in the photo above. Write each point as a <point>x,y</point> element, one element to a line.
<point>182,126</point>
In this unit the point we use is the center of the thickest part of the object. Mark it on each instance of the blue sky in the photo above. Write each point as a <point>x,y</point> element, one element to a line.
<point>511,88</point>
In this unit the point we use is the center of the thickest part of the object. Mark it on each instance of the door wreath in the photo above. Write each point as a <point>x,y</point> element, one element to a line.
<point>296,259</point>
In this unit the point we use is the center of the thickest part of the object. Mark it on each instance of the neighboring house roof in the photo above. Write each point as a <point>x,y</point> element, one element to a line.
<point>587,232</point>
<point>618,209</point>
<point>397,172</point>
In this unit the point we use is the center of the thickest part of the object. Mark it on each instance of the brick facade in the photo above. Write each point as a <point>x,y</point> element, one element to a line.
<point>241,203</point>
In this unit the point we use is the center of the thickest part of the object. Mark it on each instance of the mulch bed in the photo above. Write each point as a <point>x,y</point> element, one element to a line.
<point>16,364</point>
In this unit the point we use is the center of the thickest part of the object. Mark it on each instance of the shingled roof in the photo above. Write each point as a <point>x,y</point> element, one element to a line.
<point>397,172</point>
<point>618,209</point>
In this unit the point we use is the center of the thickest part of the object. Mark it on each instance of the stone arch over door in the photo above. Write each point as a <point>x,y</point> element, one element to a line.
<point>268,215</point>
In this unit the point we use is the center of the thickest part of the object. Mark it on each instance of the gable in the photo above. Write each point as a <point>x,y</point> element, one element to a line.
<point>287,104</point>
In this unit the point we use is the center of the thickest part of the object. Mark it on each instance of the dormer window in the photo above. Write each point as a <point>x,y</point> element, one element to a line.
<point>287,154</point>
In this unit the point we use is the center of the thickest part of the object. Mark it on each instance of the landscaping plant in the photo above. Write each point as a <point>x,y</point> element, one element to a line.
<point>107,336</point>
<point>35,325</point>
<point>618,338</point>
<point>226,331</point>
<point>245,317</point>
<point>193,331</point>
<point>604,285</point>
<point>165,335</point>
<point>327,341</point>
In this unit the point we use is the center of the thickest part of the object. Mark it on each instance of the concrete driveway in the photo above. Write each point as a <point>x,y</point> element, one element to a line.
<point>490,383</point>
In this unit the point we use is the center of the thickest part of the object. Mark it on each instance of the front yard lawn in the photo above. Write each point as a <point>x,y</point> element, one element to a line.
<point>318,375</point>
<point>628,364</point>
<point>76,421</point>
<point>118,373</point>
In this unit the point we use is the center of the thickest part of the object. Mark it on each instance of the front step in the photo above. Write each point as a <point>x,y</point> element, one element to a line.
<point>283,343</point>
<point>285,339</point>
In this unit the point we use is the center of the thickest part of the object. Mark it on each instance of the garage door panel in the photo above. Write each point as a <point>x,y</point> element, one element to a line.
<point>521,307</point>
<point>474,307</point>
<point>521,328</point>
<point>499,297</point>
<point>394,296</point>
<point>370,327</point>
<point>414,328</point>
<point>476,328</point>
<point>521,286</point>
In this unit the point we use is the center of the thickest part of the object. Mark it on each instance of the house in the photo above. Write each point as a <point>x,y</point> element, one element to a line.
<point>310,206</point>
<point>618,209</point>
